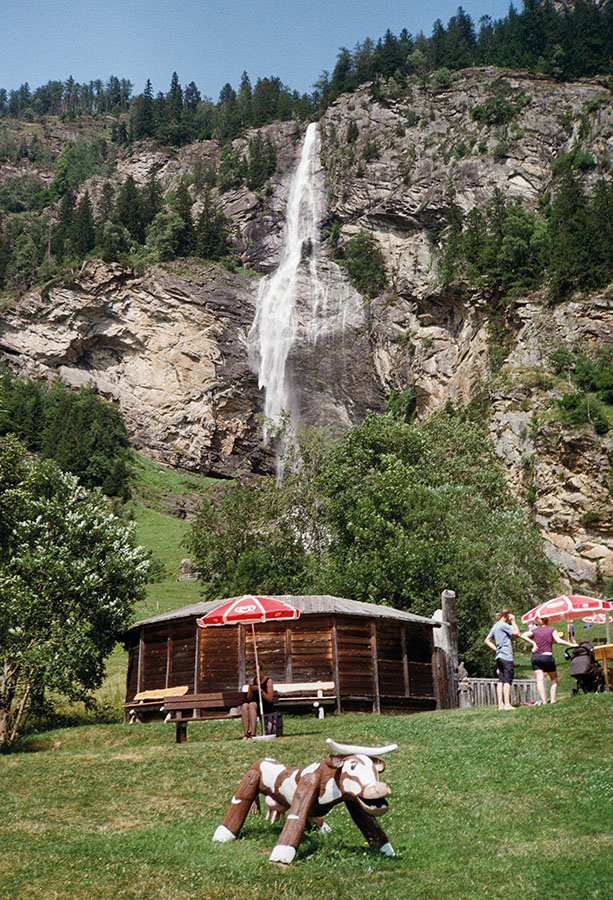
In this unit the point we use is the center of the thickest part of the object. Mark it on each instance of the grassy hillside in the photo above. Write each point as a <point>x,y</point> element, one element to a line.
<point>158,492</point>
<point>485,806</point>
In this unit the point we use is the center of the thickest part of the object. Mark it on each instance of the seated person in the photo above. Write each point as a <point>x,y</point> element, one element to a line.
<point>250,709</point>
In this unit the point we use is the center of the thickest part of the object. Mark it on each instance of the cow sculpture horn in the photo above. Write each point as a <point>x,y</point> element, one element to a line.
<point>349,749</point>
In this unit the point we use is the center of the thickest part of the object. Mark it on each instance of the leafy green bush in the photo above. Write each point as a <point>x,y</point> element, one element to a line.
<point>577,159</point>
<point>363,259</point>
<point>78,161</point>
<point>594,377</point>
<point>579,408</point>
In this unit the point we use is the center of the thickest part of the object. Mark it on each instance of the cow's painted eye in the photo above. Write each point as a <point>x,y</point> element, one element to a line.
<point>353,766</point>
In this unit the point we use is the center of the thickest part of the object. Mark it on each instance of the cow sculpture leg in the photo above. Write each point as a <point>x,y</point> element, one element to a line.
<point>370,828</point>
<point>234,819</point>
<point>306,791</point>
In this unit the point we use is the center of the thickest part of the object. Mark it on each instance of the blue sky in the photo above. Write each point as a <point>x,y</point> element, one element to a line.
<point>210,42</point>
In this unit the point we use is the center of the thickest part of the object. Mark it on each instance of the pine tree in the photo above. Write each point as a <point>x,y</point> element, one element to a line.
<point>212,239</point>
<point>183,206</point>
<point>150,199</point>
<point>570,257</point>
<point>141,114</point>
<point>83,229</point>
<point>244,100</point>
<point>105,209</point>
<point>128,210</point>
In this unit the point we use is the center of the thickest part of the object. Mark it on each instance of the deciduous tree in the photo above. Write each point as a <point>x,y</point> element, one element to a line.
<point>70,573</point>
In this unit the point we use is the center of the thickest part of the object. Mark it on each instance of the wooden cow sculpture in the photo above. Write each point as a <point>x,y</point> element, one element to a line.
<point>350,775</point>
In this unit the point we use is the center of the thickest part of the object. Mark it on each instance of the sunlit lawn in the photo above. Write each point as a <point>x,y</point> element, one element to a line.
<point>486,806</point>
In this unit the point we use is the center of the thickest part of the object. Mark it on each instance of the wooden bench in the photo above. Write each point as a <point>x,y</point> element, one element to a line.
<point>316,694</point>
<point>224,704</point>
<point>152,701</point>
<point>200,708</point>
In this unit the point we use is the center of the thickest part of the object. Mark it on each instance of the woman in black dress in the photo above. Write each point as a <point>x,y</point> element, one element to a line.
<point>250,709</point>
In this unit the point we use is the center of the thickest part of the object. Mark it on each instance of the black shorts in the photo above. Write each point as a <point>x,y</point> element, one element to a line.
<point>505,669</point>
<point>543,661</point>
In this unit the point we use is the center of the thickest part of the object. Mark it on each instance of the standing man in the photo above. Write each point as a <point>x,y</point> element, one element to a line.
<point>499,639</point>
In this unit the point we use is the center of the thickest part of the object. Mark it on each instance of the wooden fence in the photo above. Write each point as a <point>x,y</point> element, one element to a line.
<point>482,691</point>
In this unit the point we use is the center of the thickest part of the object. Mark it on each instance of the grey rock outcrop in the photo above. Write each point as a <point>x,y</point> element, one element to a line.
<point>170,345</point>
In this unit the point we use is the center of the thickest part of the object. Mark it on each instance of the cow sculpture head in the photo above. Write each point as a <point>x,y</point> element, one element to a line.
<point>358,778</point>
<point>349,775</point>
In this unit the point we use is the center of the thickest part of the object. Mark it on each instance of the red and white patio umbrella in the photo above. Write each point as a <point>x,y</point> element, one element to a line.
<point>250,610</point>
<point>567,607</point>
<point>597,619</point>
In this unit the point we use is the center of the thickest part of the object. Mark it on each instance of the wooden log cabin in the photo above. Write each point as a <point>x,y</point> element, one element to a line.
<point>380,659</point>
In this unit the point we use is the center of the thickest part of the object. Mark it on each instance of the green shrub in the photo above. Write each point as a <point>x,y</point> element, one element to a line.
<point>363,259</point>
<point>442,77</point>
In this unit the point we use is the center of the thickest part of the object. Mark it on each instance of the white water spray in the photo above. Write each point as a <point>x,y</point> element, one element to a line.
<point>275,326</point>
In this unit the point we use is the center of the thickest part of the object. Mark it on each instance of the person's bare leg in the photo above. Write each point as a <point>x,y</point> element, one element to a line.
<point>553,687</point>
<point>499,696</point>
<point>245,719</point>
<point>506,692</point>
<point>540,685</point>
<point>253,718</point>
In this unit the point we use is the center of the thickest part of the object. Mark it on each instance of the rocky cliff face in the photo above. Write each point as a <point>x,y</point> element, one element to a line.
<point>170,345</point>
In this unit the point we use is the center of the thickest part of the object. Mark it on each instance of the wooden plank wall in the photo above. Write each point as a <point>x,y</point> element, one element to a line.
<point>154,659</point>
<point>218,660</point>
<point>419,662</point>
<point>271,644</point>
<point>391,663</point>
<point>181,654</point>
<point>310,649</point>
<point>355,658</point>
<point>132,676</point>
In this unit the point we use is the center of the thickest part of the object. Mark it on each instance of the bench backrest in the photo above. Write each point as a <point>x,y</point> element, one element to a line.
<point>301,687</point>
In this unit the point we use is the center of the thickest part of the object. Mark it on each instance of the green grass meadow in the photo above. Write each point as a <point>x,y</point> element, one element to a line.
<point>485,806</point>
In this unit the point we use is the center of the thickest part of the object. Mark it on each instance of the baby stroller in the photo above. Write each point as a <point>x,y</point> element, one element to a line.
<point>585,670</point>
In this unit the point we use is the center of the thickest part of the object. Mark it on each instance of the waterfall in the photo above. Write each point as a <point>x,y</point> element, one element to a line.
<point>278,315</point>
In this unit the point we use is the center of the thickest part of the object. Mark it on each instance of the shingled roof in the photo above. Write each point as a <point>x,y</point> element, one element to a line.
<point>308,605</point>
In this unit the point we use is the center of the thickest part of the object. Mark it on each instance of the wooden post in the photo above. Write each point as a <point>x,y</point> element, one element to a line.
<point>289,676</point>
<point>168,656</point>
<point>197,661</point>
<point>405,661</point>
<point>141,653</point>
<point>449,616</point>
<point>336,668</point>
<point>242,657</point>
<point>375,666</point>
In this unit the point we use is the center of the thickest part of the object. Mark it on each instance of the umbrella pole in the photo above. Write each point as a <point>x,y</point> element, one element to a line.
<point>257,675</point>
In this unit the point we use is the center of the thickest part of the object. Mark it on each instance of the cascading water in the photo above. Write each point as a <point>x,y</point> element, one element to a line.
<point>309,342</point>
<point>276,322</point>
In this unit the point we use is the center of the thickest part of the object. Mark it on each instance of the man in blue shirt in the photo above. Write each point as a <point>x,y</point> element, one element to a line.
<point>499,639</point>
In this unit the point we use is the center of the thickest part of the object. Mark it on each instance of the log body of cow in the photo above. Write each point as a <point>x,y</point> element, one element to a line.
<point>308,794</point>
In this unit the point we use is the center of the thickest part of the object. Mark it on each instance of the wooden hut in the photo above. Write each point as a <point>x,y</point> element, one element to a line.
<point>380,659</point>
